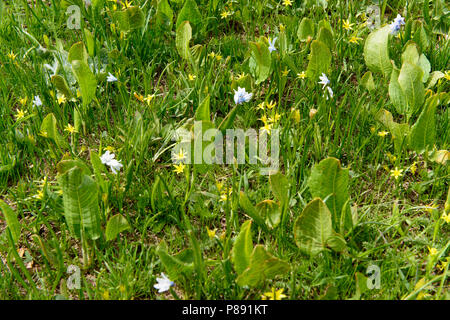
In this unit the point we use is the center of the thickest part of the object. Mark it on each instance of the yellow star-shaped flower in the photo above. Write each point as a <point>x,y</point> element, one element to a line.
<point>179,168</point>
<point>347,25</point>
<point>71,129</point>
<point>301,75</point>
<point>20,114</point>
<point>274,295</point>
<point>396,173</point>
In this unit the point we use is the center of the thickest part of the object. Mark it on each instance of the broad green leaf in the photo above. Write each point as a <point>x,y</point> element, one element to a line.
<point>433,78</point>
<point>164,14</point>
<point>271,211</point>
<point>176,265</point>
<point>280,187</point>
<point>319,60</point>
<point>227,122</point>
<point>130,18</point>
<point>183,36</point>
<point>189,13</point>
<point>396,93</point>
<point>250,210</point>
<point>410,80</point>
<point>440,156</point>
<point>326,37</point>
<point>80,199</point>
<point>420,37</point>
<point>261,55</point>
<point>90,42</point>
<point>399,131</point>
<point>116,224</point>
<point>242,248</point>
<point>78,52</point>
<point>329,181</point>
<point>305,29</point>
<point>263,266</point>
<point>406,89</point>
<point>367,81</point>
<point>336,243</point>
<point>423,132</point>
<point>203,112</point>
<point>411,53</point>
<point>376,51</point>
<point>99,168</point>
<point>49,129</point>
<point>243,82</point>
<point>312,229</point>
<point>86,80</point>
<point>425,65</point>
<point>61,84</point>
<point>11,220</point>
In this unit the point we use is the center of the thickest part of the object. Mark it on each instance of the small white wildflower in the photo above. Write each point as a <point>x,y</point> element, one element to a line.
<point>163,284</point>
<point>272,45</point>
<point>37,101</point>
<point>324,80</point>
<point>108,159</point>
<point>241,96</point>
<point>111,78</point>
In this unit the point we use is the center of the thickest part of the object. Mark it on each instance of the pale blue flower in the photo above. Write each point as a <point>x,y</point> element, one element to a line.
<point>108,159</point>
<point>398,22</point>
<point>111,78</point>
<point>324,80</point>
<point>37,101</point>
<point>272,44</point>
<point>163,284</point>
<point>241,96</point>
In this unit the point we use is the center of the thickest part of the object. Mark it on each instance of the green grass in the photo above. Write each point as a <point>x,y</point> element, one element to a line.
<point>394,223</point>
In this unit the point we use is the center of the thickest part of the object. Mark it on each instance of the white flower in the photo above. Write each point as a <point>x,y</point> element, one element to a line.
<point>241,96</point>
<point>330,91</point>
<point>324,80</point>
<point>108,159</point>
<point>37,101</point>
<point>272,45</point>
<point>115,166</point>
<point>163,284</point>
<point>111,78</point>
<point>398,22</point>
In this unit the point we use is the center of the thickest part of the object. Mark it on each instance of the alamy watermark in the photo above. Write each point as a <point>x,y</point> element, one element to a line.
<point>233,146</point>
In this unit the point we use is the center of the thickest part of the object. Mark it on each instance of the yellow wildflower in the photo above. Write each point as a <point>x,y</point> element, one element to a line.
<point>433,251</point>
<point>396,173</point>
<point>301,75</point>
<point>274,295</point>
<point>354,39</point>
<point>225,14</point>
<point>271,105</point>
<point>12,56</point>
<point>179,168</point>
<point>191,77</point>
<point>211,233</point>
<point>62,99</point>
<point>20,114</point>
<point>347,25</point>
<point>71,129</point>
<point>149,98</point>
<point>287,3</point>
<point>446,217</point>
<point>23,101</point>
<point>383,133</point>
